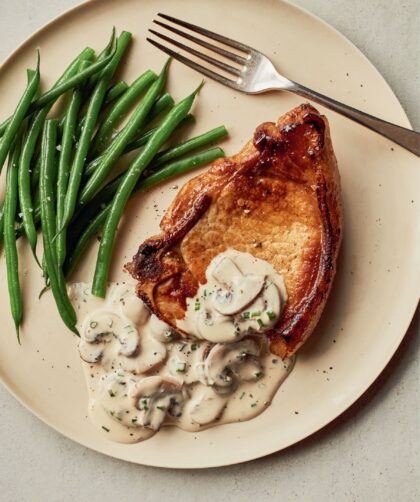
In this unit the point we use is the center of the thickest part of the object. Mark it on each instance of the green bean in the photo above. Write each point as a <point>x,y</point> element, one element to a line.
<point>48,220</point>
<point>119,110</point>
<point>180,166</point>
<point>101,56</point>
<point>94,108</point>
<point>115,91</point>
<point>67,142</point>
<point>124,137</point>
<point>12,260</point>
<point>87,53</point>
<point>163,132</point>
<point>30,74</point>
<point>190,145</point>
<point>167,171</point>
<point>18,116</point>
<point>1,220</point>
<point>82,86</point>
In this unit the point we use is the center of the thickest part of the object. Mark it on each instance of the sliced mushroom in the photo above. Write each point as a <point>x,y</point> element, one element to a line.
<point>100,328</point>
<point>151,353</point>
<point>249,371</point>
<point>206,407</point>
<point>91,353</point>
<point>156,398</point>
<point>223,362</point>
<point>240,290</point>
<point>114,398</point>
<point>160,330</point>
<point>133,308</point>
<point>215,327</point>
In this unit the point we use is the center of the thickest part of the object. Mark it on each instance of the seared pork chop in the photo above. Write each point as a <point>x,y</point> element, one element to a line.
<point>279,200</point>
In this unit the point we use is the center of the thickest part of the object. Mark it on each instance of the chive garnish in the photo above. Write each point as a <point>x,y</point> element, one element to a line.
<point>271,315</point>
<point>260,323</point>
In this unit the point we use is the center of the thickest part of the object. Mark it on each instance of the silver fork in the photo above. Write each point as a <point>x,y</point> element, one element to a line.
<point>253,73</point>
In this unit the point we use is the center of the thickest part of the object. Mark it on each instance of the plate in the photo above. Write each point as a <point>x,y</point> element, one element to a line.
<point>376,289</point>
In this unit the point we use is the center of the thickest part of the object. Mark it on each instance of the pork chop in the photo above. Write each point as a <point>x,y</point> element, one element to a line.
<point>278,199</point>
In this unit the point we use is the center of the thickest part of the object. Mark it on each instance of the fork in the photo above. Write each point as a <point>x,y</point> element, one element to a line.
<point>252,72</point>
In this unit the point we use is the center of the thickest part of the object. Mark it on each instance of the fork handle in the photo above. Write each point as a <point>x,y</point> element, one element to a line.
<point>405,137</point>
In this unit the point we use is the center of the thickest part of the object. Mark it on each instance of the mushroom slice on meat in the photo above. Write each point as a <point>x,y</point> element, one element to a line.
<point>157,398</point>
<point>226,363</point>
<point>240,290</point>
<point>100,328</point>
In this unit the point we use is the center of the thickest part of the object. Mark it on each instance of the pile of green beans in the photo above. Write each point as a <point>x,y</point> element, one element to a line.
<point>60,172</point>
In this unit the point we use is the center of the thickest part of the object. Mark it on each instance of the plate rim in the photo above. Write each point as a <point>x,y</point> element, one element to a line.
<point>355,397</point>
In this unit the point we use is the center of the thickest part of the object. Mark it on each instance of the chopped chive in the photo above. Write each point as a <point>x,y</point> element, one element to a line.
<point>271,315</point>
<point>260,323</point>
<point>180,367</point>
<point>105,428</point>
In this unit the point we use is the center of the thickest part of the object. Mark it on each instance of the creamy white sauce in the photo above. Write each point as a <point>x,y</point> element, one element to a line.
<point>142,375</point>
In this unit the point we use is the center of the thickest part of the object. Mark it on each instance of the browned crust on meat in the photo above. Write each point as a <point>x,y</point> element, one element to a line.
<point>283,188</point>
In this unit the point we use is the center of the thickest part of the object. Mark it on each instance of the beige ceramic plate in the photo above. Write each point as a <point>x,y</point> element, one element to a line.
<point>376,288</point>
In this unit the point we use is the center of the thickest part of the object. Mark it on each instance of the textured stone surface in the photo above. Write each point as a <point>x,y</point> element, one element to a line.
<point>372,452</point>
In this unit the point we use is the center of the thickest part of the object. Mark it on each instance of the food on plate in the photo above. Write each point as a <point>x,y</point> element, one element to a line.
<point>251,244</point>
<point>229,290</point>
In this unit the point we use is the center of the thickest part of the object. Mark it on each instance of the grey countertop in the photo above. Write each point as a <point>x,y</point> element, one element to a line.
<point>372,451</point>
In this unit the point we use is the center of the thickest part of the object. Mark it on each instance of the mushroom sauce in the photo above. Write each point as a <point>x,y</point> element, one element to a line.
<point>142,375</point>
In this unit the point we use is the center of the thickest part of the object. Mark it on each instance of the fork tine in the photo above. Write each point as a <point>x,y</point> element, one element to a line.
<point>229,55</point>
<point>204,57</point>
<point>194,65</point>
<point>210,34</point>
